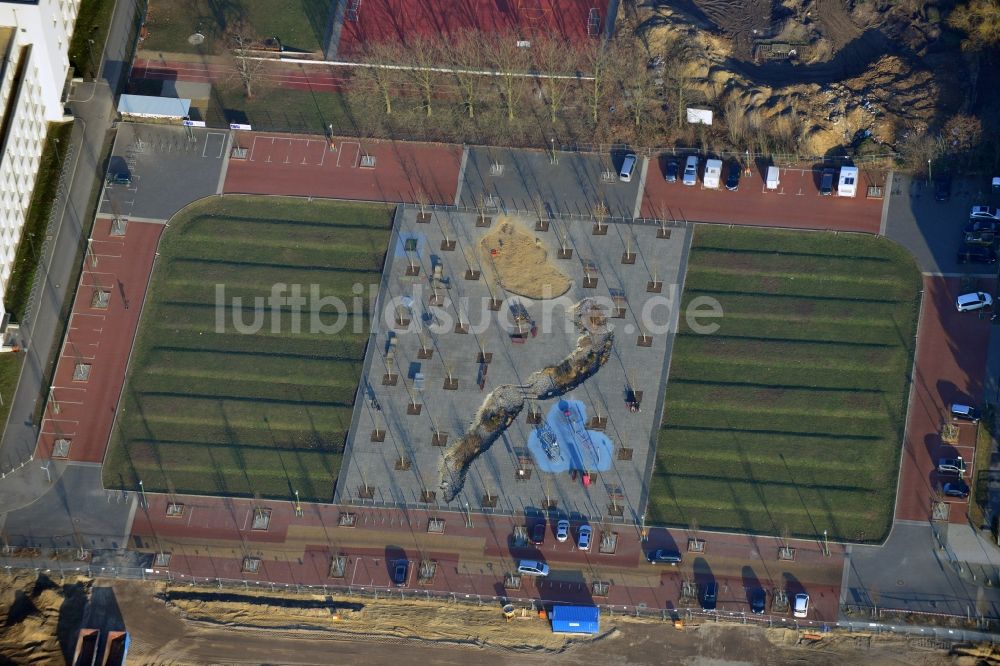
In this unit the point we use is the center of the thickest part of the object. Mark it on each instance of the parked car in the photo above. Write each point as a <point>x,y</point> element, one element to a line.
<point>401,572</point>
<point>709,594</point>
<point>982,225</point>
<point>670,172</point>
<point>758,599</point>
<point>671,557</point>
<point>532,568</point>
<point>987,212</point>
<point>942,187</point>
<point>976,254</point>
<point>987,238</point>
<point>800,608</point>
<point>733,177</point>
<point>951,466</point>
<point>583,534</point>
<point>562,530</point>
<point>691,170</point>
<point>538,533</point>
<point>826,182</point>
<point>960,412</point>
<point>973,301</point>
<point>956,489</point>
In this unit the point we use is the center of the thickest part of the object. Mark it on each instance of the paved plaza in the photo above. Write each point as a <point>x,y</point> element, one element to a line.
<point>441,382</point>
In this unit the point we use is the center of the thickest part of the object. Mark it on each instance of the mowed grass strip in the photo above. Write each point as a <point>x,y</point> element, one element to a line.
<point>789,417</point>
<point>248,400</point>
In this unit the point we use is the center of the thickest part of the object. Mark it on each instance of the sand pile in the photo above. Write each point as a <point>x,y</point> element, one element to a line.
<point>35,614</point>
<point>521,262</point>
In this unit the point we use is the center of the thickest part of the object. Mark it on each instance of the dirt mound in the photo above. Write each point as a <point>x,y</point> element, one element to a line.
<point>521,262</point>
<point>821,74</point>
<point>38,618</point>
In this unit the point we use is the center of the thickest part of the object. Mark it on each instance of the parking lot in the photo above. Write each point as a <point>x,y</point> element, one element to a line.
<point>796,203</point>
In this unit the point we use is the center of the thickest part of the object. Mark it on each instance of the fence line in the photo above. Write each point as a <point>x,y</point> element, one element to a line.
<point>161,574</point>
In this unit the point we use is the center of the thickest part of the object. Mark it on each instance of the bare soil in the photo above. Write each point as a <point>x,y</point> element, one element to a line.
<point>39,618</point>
<point>521,262</point>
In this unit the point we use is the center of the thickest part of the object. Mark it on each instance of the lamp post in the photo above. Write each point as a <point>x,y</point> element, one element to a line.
<point>930,172</point>
<point>142,491</point>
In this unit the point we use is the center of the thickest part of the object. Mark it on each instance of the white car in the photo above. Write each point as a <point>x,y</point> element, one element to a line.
<point>583,537</point>
<point>985,211</point>
<point>691,170</point>
<point>562,530</point>
<point>532,568</point>
<point>973,301</point>
<point>801,606</point>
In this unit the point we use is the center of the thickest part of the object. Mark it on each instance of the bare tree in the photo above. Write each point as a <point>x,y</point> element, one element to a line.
<point>510,62</point>
<point>379,77</point>
<point>464,54</point>
<point>241,40</point>
<point>425,55</point>
<point>554,56</point>
<point>598,61</point>
<point>636,81</point>
<point>678,76</point>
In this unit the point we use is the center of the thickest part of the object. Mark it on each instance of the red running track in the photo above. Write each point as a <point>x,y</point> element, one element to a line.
<point>305,166</point>
<point>402,20</point>
<point>83,411</point>
<point>797,203</point>
<point>950,367</point>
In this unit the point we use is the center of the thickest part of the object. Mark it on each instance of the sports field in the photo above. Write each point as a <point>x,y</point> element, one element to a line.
<point>210,409</point>
<point>789,418</point>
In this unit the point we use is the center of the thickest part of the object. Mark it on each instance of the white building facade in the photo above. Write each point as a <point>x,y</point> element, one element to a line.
<point>34,62</point>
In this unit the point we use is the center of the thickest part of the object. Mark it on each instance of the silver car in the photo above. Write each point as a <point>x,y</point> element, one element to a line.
<point>974,301</point>
<point>691,170</point>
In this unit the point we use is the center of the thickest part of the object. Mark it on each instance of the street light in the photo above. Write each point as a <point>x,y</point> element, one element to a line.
<point>930,173</point>
<point>142,491</point>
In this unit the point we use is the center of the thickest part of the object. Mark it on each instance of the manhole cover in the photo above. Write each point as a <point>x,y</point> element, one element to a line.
<point>899,581</point>
<point>196,39</point>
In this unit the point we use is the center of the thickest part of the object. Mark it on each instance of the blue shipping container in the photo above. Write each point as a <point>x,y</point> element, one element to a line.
<point>576,619</point>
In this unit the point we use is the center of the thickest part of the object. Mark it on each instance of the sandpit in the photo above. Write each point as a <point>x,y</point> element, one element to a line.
<point>521,262</point>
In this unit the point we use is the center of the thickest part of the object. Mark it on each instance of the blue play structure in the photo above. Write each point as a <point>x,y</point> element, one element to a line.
<point>562,442</point>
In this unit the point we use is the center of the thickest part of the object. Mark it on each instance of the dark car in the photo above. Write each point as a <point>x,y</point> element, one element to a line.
<point>538,533</point>
<point>758,599</point>
<point>733,177</point>
<point>982,225</point>
<point>671,557</point>
<point>709,594</point>
<point>942,187</point>
<point>671,171</point>
<point>826,182</point>
<point>980,238</point>
<point>962,412</point>
<point>401,572</point>
<point>956,489</point>
<point>977,254</point>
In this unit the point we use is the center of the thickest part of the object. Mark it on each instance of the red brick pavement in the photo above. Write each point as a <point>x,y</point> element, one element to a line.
<point>796,204</point>
<point>950,367</point>
<point>304,166</point>
<point>211,537</point>
<point>83,411</point>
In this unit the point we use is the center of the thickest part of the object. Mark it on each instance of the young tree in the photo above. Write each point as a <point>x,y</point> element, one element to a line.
<point>464,54</point>
<point>636,81</point>
<point>424,54</point>
<point>554,56</point>
<point>381,81</point>
<point>597,61</point>
<point>241,40</point>
<point>511,64</point>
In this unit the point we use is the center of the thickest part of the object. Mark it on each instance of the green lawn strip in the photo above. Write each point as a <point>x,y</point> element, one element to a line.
<point>29,248</point>
<point>182,290</point>
<point>786,353</point>
<point>754,398</point>
<point>263,276</point>
<point>774,326</point>
<point>693,414</point>
<point>234,471</point>
<point>768,508</point>
<point>801,284</point>
<point>343,256</point>
<point>10,372</point>
<point>280,109</point>
<point>279,212</point>
<point>796,308</point>
<point>254,366</point>
<point>252,230</point>
<point>782,241</point>
<point>210,388</point>
<point>93,20</point>
<point>770,263</point>
<point>345,345</point>
<point>300,24</point>
<point>765,373</point>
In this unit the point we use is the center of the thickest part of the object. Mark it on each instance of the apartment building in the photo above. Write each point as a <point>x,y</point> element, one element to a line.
<point>34,43</point>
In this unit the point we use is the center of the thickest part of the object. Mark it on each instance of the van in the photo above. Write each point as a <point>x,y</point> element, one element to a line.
<point>961,412</point>
<point>628,166</point>
<point>773,179</point>
<point>713,174</point>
